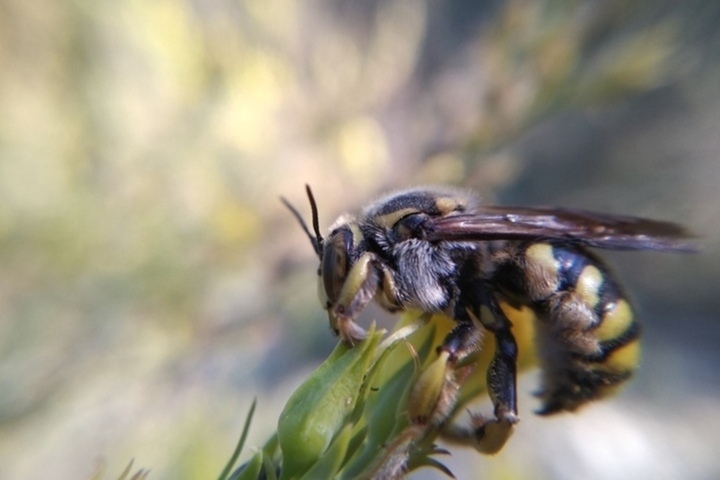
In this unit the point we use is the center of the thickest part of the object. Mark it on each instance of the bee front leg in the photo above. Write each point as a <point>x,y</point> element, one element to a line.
<point>363,281</point>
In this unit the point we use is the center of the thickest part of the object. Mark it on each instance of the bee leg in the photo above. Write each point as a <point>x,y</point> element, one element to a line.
<point>461,341</point>
<point>487,435</point>
<point>361,284</point>
<point>491,434</point>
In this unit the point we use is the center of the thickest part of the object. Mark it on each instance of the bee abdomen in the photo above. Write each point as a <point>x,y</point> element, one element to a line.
<point>587,333</point>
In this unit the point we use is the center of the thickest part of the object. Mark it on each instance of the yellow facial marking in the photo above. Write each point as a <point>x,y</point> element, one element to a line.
<point>588,285</point>
<point>321,293</point>
<point>615,321</point>
<point>357,235</point>
<point>390,219</point>
<point>624,358</point>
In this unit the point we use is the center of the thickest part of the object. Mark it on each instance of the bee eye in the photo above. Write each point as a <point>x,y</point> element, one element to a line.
<point>335,263</point>
<point>409,226</point>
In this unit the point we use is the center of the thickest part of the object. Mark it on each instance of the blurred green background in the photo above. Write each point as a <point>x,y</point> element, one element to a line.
<point>151,283</point>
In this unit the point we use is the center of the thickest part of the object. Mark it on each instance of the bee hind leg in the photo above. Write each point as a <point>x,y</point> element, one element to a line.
<point>490,434</point>
<point>462,340</point>
<point>487,435</point>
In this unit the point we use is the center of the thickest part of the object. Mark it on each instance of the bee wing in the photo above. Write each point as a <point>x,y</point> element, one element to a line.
<point>573,226</point>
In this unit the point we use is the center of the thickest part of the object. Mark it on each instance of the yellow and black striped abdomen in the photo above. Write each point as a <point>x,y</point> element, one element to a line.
<point>586,333</point>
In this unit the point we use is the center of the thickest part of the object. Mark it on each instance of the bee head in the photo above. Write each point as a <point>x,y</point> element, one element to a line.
<point>335,252</point>
<point>335,263</point>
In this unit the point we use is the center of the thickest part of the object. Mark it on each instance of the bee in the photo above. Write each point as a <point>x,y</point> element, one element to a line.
<point>438,250</point>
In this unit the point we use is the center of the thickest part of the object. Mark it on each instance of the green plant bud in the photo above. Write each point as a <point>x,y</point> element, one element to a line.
<point>251,470</point>
<point>384,410</point>
<point>426,391</point>
<point>321,406</point>
<point>332,460</point>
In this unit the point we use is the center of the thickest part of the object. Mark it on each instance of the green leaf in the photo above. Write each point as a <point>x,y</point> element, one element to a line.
<point>270,467</point>
<point>332,460</point>
<point>320,407</point>
<point>385,407</point>
<point>252,469</point>
<point>126,472</point>
<point>238,448</point>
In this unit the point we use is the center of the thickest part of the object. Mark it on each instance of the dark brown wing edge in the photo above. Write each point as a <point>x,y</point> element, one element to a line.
<point>573,226</point>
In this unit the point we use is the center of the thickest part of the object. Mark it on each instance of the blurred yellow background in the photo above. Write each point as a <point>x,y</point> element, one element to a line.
<point>151,283</point>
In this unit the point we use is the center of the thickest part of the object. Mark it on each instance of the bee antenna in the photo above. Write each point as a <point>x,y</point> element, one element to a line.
<point>315,220</point>
<point>317,239</point>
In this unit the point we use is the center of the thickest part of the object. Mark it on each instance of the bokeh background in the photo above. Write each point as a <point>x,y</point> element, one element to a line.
<point>151,283</point>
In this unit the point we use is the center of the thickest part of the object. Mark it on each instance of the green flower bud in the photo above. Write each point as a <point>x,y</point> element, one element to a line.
<point>322,405</point>
<point>427,390</point>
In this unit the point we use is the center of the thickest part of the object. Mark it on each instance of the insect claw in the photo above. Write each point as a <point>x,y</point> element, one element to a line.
<point>350,332</point>
<point>491,435</point>
<point>510,418</point>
